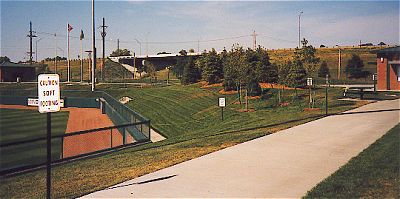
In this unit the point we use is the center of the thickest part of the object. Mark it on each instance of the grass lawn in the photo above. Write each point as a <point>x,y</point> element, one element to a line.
<point>374,173</point>
<point>18,125</point>
<point>190,118</point>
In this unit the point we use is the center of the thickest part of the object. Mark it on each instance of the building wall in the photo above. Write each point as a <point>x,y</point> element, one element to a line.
<point>381,72</point>
<point>394,83</point>
<point>382,68</point>
<point>10,74</point>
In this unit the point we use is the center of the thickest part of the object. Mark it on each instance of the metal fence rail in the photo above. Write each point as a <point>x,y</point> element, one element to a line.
<point>130,128</point>
<point>66,146</point>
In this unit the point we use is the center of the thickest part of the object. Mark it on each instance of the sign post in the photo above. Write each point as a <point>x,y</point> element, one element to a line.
<point>309,84</point>
<point>221,103</point>
<point>326,94</point>
<point>375,78</point>
<point>49,101</point>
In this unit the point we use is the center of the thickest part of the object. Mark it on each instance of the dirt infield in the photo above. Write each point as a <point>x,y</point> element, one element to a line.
<point>84,119</point>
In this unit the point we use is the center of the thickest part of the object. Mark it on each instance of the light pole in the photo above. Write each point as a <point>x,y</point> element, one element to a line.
<point>339,62</point>
<point>93,47</point>
<point>140,46</point>
<point>147,44</point>
<point>36,47</point>
<point>299,26</point>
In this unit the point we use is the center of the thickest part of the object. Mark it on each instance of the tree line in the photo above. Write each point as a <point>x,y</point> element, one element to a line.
<point>246,68</point>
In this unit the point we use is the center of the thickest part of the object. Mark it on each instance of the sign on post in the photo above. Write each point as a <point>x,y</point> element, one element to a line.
<point>221,102</point>
<point>49,101</point>
<point>309,81</point>
<point>49,93</point>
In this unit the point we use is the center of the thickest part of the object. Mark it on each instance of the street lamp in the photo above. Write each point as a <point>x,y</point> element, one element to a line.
<point>147,44</point>
<point>140,46</point>
<point>299,26</point>
<point>36,47</point>
<point>339,62</point>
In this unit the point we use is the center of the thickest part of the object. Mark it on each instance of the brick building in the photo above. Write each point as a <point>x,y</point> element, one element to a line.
<point>9,72</point>
<point>388,68</point>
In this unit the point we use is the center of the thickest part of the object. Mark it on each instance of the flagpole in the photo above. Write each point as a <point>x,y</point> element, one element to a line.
<point>68,54</point>
<point>81,56</point>
<point>93,47</point>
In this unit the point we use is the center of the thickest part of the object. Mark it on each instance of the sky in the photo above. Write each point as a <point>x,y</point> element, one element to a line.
<point>174,25</point>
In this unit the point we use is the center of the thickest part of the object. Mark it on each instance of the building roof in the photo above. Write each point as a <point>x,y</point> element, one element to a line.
<point>391,50</point>
<point>14,65</point>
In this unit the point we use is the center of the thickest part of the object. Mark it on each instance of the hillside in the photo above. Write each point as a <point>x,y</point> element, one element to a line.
<point>279,56</point>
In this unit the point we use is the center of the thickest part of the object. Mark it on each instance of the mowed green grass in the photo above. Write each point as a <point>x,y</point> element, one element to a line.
<point>190,118</point>
<point>185,112</point>
<point>19,125</point>
<point>374,173</point>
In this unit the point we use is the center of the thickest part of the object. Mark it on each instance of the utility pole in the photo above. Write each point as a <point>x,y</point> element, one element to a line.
<point>299,27</point>
<point>30,35</point>
<point>36,51</point>
<point>103,34</point>
<point>94,47</point>
<point>254,40</point>
<point>340,63</point>
<point>55,57</point>
<point>81,37</point>
<point>140,46</point>
<point>118,44</point>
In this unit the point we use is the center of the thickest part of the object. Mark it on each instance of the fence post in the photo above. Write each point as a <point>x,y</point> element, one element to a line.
<point>123,136</point>
<point>111,138</point>
<point>62,147</point>
<point>149,130</point>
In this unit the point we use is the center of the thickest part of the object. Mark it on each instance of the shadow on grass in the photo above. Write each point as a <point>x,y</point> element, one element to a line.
<point>144,182</point>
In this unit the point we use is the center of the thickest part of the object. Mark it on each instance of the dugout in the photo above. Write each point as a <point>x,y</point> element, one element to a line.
<point>10,72</point>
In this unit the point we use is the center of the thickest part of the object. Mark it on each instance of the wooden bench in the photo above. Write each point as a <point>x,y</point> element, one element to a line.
<point>361,91</point>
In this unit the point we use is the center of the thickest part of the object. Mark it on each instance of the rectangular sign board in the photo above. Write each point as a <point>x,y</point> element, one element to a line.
<point>35,102</point>
<point>49,93</point>
<point>309,81</point>
<point>221,102</point>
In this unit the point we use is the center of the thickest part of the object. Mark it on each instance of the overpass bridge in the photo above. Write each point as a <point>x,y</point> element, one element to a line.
<point>160,61</point>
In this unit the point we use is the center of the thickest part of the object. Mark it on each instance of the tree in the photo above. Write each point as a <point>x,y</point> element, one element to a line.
<point>191,50</point>
<point>150,69</point>
<point>264,70</point>
<point>191,74</point>
<point>306,54</point>
<point>297,76</point>
<point>324,70</point>
<point>120,52</point>
<point>181,61</point>
<point>4,59</point>
<point>211,67</point>
<point>355,66</point>
<point>234,68</point>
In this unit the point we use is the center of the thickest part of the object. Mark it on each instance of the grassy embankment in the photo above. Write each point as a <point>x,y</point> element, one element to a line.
<point>20,125</point>
<point>374,173</point>
<point>190,118</point>
<point>330,55</point>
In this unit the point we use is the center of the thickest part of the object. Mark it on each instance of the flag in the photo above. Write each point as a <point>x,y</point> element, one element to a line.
<point>70,28</point>
<point>82,35</point>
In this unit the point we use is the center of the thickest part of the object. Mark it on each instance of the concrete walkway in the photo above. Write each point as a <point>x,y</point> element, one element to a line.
<point>285,164</point>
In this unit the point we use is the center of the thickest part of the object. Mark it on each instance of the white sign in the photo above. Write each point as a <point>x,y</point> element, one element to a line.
<point>35,102</point>
<point>49,93</point>
<point>221,102</point>
<point>309,81</point>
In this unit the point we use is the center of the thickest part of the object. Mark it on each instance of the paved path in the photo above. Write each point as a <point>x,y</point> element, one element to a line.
<point>284,164</point>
